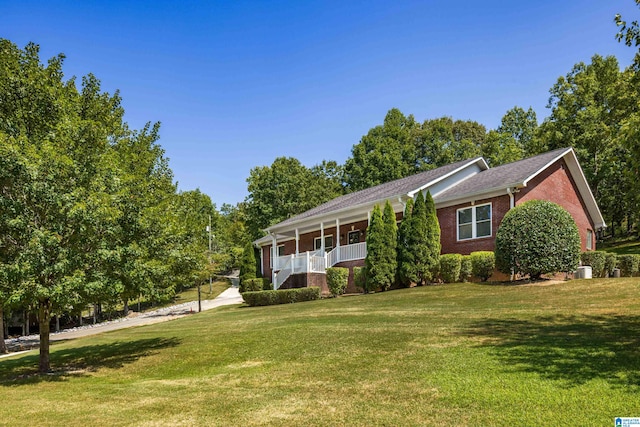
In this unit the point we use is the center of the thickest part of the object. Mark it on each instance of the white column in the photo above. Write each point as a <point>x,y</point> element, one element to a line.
<point>321,236</point>
<point>297,242</point>
<point>274,254</point>
<point>368,218</point>
<point>338,240</point>
<point>293,263</point>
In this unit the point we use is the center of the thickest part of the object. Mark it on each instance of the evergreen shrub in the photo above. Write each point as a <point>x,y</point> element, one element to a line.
<point>337,278</point>
<point>466,268</point>
<point>610,262</point>
<point>628,265</point>
<point>450,265</point>
<point>359,277</point>
<point>482,264</point>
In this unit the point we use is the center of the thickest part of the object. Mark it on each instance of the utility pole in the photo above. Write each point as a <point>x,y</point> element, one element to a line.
<point>210,278</point>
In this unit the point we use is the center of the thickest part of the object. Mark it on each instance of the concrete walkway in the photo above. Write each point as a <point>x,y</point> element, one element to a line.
<point>228,297</point>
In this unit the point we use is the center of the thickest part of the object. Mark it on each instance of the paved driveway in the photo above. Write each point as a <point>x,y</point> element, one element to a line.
<point>228,297</point>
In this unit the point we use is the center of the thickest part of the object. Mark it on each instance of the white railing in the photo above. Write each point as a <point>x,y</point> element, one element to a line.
<point>303,263</point>
<point>315,262</point>
<point>347,253</point>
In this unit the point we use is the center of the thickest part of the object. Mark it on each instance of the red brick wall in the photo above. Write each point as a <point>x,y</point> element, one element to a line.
<point>556,185</point>
<point>449,224</point>
<point>351,287</point>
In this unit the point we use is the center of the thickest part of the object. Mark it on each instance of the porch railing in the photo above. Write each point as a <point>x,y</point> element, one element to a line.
<point>315,262</point>
<point>308,262</point>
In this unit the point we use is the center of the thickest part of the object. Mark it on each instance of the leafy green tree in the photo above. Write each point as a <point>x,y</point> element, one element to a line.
<point>383,154</point>
<point>522,126</point>
<point>588,107</point>
<point>284,189</point>
<point>535,238</point>
<point>500,148</point>
<point>85,200</point>
<point>628,33</point>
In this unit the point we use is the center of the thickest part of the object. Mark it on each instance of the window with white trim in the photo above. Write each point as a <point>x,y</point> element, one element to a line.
<point>353,237</point>
<point>328,243</point>
<point>589,241</point>
<point>474,222</point>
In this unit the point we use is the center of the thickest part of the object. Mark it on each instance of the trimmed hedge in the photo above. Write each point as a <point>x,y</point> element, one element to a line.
<point>610,262</point>
<point>359,277</point>
<point>596,259</point>
<point>337,278</point>
<point>466,268</point>
<point>628,265</point>
<point>284,296</point>
<point>482,264</point>
<point>450,267</point>
<point>253,285</point>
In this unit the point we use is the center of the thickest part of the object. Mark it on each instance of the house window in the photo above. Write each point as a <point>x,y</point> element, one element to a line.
<point>328,243</point>
<point>353,237</point>
<point>474,222</point>
<point>589,240</point>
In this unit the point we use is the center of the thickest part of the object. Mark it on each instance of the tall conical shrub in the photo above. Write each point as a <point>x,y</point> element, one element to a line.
<point>404,255</point>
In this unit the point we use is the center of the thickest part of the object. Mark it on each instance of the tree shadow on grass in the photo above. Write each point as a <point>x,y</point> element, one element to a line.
<point>80,361</point>
<point>571,349</point>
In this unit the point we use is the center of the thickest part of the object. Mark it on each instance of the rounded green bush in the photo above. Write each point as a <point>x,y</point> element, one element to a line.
<point>337,278</point>
<point>450,267</point>
<point>535,238</point>
<point>482,264</point>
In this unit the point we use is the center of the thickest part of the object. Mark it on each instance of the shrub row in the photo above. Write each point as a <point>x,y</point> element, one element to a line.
<point>603,263</point>
<point>456,267</point>
<point>255,285</point>
<point>284,296</point>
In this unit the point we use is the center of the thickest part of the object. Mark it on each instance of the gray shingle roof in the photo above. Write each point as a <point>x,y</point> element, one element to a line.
<point>504,176</point>
<point>387,190</point>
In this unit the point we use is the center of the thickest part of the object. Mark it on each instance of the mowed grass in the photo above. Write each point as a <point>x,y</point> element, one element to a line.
<point>462,354</point>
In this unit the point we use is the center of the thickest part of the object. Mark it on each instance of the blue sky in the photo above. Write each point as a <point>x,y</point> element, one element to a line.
<point>238,83</point>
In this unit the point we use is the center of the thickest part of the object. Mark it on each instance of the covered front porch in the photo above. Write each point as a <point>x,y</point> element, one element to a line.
<point>315,261</point>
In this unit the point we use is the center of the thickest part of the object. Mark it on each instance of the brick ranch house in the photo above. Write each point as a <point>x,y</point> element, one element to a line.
<point>470,197</point>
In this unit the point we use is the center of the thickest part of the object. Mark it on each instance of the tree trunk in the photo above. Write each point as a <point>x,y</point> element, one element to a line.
<point>57,323</point>
<point>199,299</point>
<point>26,323</point>
<point>3,347</point>
<point>44,318</point>
<point>126,307</point>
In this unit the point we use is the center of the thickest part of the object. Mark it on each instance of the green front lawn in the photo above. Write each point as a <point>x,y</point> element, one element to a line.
<point>461,354</point>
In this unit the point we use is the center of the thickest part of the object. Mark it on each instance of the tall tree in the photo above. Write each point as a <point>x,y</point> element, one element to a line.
<point>405,256</point>
<point>385,153</point>
<point>432,238</point>
<point>377,268</point>
<point>588,107</point>
<point>522,126</point>
<point>284,189</point>
<point>391,237</point>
